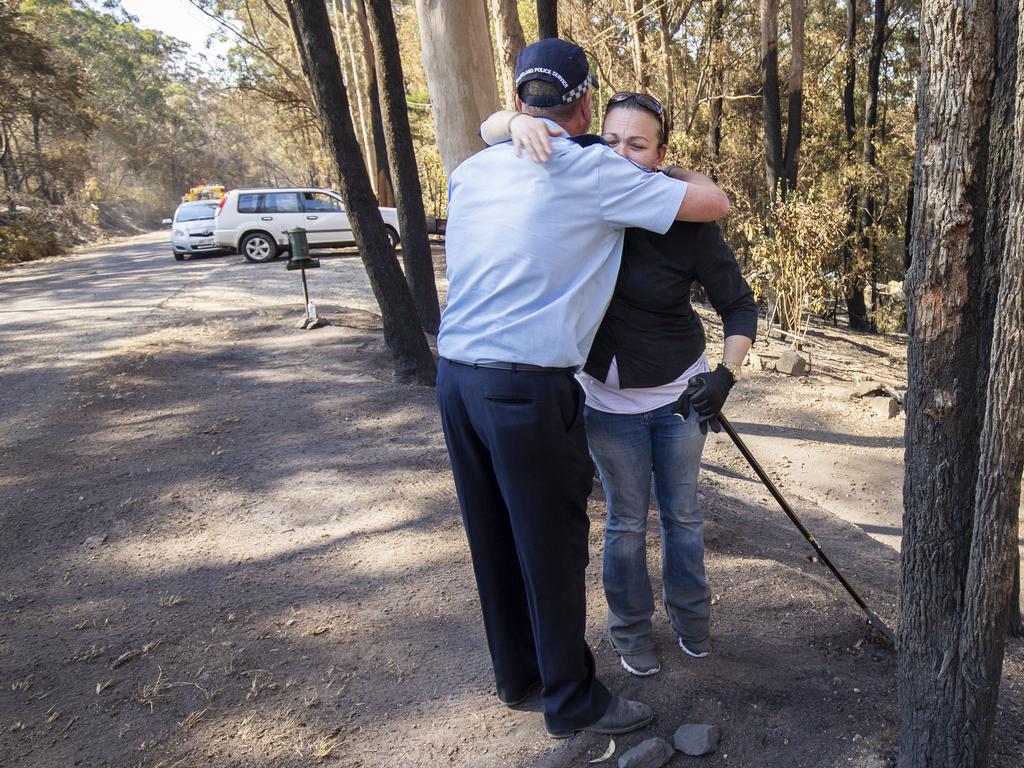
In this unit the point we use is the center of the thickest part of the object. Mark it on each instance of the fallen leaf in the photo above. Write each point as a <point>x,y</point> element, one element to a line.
<point>607,753</point>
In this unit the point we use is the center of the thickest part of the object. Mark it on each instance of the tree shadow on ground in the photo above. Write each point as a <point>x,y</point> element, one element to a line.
<point>280,577</point>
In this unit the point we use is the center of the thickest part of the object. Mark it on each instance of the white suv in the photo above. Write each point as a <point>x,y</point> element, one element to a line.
<point>255,222</point>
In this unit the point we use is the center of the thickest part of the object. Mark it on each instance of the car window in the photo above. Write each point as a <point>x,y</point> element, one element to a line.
<point>195,213</point>
<point>320,202</point>
<point>269,202</point>
<point>249,203</point>
<point>280,202</point>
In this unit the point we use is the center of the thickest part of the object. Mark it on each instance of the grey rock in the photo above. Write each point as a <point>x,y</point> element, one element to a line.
<point>755,361</point>
<point>309,323</point>
<point>792,363</point>
<point>95,541</point>
<point>695,740</point>
<point>865,388</point>
<point>651,753</point>
<point>886,407</point>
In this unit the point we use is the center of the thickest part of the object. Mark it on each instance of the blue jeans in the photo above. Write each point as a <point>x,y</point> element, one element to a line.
<point>626,449</point>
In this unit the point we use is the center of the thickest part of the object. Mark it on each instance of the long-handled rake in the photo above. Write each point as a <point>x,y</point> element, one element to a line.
<point>873,620</point>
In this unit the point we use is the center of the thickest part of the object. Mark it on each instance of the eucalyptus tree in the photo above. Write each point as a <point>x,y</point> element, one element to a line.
<point>965,401</point>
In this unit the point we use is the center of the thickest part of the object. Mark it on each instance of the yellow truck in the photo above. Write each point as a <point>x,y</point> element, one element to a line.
<point>204,192</point>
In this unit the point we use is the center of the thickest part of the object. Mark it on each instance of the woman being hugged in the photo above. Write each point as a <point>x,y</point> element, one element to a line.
<point>650,392</point>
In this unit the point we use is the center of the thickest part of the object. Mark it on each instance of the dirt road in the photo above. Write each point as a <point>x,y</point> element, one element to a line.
<point>228,542</point>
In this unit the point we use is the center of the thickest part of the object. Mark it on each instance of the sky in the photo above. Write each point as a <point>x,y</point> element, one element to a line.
<point>180,19</point>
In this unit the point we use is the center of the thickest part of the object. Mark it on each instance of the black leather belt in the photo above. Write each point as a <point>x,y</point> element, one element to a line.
<point>514,367</point>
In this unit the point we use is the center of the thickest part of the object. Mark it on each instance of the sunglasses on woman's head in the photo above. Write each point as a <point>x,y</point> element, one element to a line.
<point>645,101</point>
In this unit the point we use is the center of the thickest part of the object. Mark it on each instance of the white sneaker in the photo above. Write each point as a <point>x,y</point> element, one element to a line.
<point>641,664</point>
<point>695,654</point>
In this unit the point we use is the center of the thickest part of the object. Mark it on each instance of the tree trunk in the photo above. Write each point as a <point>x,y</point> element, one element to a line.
<point>9,168</point>
<point>641,73</point>
<point>716,83</point>
<point>459,66</point>
<point>770,94</point>
<point>37,153</point>
<point>666,61</point>
<point>794,116</point>
<point>353,72</point>
<point>881,20</point>
<point>907,224</point>
<point>381,171</point>
<point>965,402</point>
<point>547,18</point>
<point>1016,617</point>
<point>856,311</point>
<point>412,357</point>
<point>868,204</point>
<point>509,34</point>
<point>419,264</point>
<point>850,84</point>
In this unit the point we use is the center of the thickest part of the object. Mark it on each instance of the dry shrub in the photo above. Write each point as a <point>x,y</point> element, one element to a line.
<point>791,246</point>
<point>37,230</point>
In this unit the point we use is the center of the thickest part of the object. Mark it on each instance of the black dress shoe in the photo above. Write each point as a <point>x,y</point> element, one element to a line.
<point>531,689</point>
<point>621,716</point>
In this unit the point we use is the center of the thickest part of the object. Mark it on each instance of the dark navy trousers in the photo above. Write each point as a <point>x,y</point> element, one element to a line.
<point>523,473</point>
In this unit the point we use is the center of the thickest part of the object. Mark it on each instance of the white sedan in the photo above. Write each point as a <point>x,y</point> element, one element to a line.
<point>192,229</point>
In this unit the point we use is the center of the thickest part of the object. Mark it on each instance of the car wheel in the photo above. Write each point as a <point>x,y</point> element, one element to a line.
<point>179,256</point>
<point>393,238</point>
<point>258,247</point>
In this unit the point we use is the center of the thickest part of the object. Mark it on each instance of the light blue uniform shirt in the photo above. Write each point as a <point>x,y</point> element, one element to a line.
<point>533,250</point>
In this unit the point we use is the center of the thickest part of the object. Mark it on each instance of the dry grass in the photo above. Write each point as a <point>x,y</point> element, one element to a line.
<point>192,718</point>
<point>261,681</point>
<point>93,652</point>
<point>324,747</point>
<point>152,691</point>
<point>127,656</point>
<point>22,685</point>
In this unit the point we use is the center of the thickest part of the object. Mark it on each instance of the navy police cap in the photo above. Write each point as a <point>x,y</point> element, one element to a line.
<point>558,62</point>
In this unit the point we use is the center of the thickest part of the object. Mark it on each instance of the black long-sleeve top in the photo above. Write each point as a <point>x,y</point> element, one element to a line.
<point>650,327</point>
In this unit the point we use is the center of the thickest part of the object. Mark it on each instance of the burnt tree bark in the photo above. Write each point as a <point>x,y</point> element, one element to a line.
<point>868,203</point>
<point>351,73</point>
<point>856,310</point>
<point>666,62</point>
<point>716,84</point>
<point>382,181</point>
<point>508,32</point>
<point>794,115</point>
<point>965,402</point>
<point>781,160</point>
<point>1016,617</point>
<point>770,94</point>
<point>1001,178</point>
<point>547,18</point>
<point>419,265</point>
<point>412,357</point>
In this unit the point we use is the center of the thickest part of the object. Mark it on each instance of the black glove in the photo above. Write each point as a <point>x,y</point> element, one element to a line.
<point>706,393</point>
